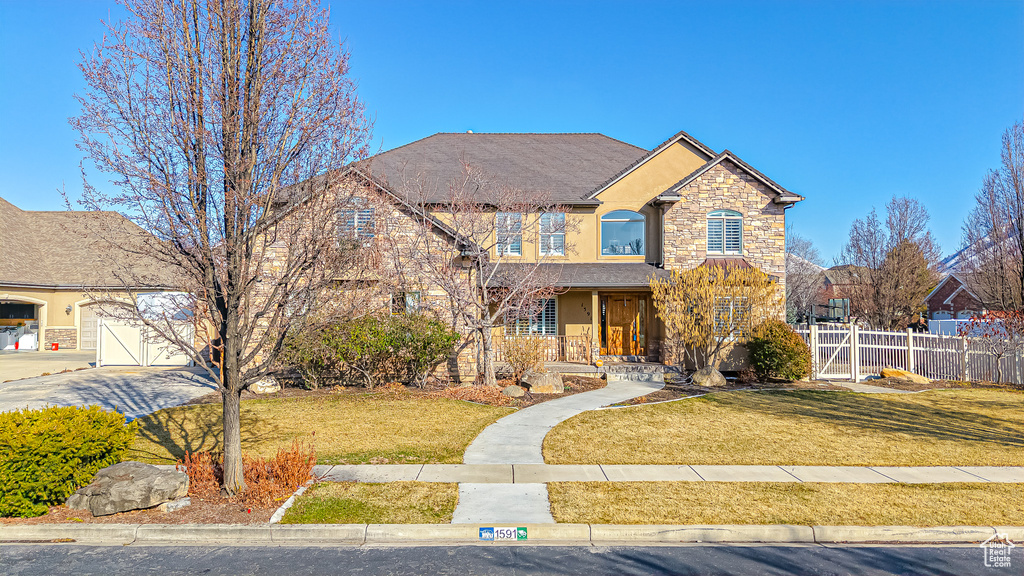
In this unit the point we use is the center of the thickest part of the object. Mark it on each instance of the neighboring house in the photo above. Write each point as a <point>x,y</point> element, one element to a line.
<point>952,299</point>
<point>54,264</point>
<point>833,302</point>
<point>636,213</point>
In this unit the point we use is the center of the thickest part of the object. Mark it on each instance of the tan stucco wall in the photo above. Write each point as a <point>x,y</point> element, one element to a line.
<point>574,314</point>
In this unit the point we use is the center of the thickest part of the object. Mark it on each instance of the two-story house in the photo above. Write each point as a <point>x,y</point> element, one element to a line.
<point>634,213</point>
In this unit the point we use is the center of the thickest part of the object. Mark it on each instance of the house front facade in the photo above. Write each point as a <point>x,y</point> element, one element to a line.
<point>625,215</point>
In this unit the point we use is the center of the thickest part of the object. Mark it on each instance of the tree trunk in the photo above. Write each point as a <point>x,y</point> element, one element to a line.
<point>234,479</point>
<point>488,357</point>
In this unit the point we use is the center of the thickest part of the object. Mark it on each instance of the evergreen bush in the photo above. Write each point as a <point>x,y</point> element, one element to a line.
<point>47,454</point>
<point>777,351</point>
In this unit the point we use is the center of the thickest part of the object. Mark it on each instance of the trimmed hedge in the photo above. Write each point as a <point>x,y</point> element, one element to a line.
<point>777,351</point>
<point>47,454</point>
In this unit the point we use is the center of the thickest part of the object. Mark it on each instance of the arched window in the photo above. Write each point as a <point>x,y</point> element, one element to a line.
<point>622,233</point>
<point>725,232</point>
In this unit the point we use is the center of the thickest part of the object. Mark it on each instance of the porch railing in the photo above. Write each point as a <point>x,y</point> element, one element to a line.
<point>573,349</point>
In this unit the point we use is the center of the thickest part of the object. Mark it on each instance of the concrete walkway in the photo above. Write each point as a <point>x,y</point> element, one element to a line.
<point>488,488</point>
<point>493,477</point>
<point>869,389</point>
<point>518,437</point>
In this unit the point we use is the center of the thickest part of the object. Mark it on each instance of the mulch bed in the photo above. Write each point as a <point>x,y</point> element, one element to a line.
<point>201,511</point>
<point>480,394</point>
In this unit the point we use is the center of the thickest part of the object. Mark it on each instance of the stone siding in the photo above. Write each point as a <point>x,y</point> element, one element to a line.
<point>727,187</point>
<point>66,338</point>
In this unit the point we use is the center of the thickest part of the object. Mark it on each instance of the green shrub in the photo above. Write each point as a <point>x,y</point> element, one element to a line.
<point>374,348</point>
<point>777,351</point>
<point>47,454</point>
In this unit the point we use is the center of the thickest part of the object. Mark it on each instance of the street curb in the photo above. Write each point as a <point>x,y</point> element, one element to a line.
<point>358,534</point>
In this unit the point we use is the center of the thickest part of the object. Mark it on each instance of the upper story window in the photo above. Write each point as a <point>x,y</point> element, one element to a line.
<point>725,232</point>
<point>356,224</point>
<point>552,234</point>
<point>622,233</point>
<point>509,228</point>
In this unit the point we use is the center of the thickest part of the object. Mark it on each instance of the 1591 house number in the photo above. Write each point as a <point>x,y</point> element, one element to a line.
<point>501,533</point>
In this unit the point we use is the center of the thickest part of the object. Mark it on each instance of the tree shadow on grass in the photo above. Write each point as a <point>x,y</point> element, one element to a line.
<point>168,434</point>
<point>928,417</point>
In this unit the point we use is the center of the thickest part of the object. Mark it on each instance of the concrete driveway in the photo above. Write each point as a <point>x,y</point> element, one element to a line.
<point>132,391</point>
<point>17,364</point>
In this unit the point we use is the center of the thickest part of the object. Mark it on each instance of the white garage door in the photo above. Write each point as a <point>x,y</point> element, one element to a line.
<point>89,328</point>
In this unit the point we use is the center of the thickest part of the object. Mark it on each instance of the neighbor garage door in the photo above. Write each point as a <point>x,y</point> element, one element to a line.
<point>123,343</point>
<point>89,328</point>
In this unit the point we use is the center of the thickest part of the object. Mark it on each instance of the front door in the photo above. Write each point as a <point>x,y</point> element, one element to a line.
<point>624,325</point>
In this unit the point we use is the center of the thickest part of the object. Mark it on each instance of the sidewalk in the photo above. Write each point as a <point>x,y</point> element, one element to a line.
<point>493,494</point>
<point>532,474</point>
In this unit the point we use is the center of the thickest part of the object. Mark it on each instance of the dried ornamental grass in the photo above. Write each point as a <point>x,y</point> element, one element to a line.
<point>267,479</point>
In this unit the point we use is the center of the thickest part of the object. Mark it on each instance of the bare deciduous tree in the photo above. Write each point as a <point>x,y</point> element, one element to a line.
<point>892,265</point>
<point>992,261</point>
<point>207,117</point>
<point>472,239</point>
<point>804,276</point>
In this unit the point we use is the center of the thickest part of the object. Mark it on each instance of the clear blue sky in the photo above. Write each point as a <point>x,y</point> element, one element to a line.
<point>847,103</point>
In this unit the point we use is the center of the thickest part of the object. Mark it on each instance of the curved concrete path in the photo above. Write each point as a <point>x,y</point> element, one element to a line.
<point>518,439</point>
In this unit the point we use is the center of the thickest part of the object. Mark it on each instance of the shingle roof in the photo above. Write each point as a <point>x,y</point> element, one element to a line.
<point>564,166</point>
<point>71,249</point>
<point>591,275</point>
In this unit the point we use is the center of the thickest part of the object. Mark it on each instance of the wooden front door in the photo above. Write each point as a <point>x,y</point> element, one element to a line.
<point>624,325</point>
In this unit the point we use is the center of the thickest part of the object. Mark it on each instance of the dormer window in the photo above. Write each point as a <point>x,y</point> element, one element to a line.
<point>725,232</point>
<point>622,233</point>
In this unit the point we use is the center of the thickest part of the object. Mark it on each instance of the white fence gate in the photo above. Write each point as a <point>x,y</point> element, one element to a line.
<point>846,352</point>
<point>127,344</point>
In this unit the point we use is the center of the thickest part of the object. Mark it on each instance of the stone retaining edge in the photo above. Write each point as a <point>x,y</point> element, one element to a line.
<point>358,534</point>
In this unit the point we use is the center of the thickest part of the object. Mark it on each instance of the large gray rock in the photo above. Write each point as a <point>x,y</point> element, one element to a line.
<point>542,382</point>
<point>513,391</point>
<point>266,385</point>
<point>708,377</point>
<point>129,486</point>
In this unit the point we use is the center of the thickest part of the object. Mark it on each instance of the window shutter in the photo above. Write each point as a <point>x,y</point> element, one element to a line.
<point>733,236</point>
<point>715,236</point>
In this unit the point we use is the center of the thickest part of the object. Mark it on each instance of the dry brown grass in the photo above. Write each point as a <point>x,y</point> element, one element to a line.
<point>973,504</point>
<point>378,428</point>
<point>391,503</point>
<point>940,427</point>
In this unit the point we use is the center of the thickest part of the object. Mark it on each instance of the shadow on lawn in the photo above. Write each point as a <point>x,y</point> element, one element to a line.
<point>932,416</point>
<point>195,429</point>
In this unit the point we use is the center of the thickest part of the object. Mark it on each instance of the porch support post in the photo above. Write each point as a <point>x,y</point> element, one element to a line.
<point>595,326</point>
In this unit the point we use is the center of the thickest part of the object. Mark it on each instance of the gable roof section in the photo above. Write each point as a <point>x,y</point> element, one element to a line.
<point>962,288</point>
<point>680,136</point>
<point>566,166</point>
<point>784,196</point>
<point>64,249</point>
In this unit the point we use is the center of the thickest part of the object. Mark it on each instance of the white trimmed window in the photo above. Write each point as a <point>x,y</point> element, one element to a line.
<point>725,232</point>
<point>731,311</point>
<point>509,229</point>
<point>405,303</point>
<point>622,233</point>
<point>356,224</point>
<point>552,234</point>
<point>544,322</point>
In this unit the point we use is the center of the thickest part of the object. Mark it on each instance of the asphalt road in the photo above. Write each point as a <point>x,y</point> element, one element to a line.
<point>25,559</point>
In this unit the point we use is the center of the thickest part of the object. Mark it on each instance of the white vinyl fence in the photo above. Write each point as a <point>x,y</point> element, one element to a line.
<point>846,352</point>
<point>122,343</point>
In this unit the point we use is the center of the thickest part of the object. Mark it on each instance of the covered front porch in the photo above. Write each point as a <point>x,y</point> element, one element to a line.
<point>605,313</point>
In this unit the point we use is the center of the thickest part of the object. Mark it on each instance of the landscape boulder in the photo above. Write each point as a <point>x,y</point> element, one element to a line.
<point>708,377</point>
<point>542,382</point>
<point>129,486</point>
<point>265,385</point>
<point>904,375</point>
<point>513,391</point>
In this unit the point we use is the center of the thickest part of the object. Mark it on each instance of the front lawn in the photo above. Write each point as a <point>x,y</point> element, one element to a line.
<point>391,503</point>
<point>806,504</point>
<point>823,428</point>
<point>346,428</point>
